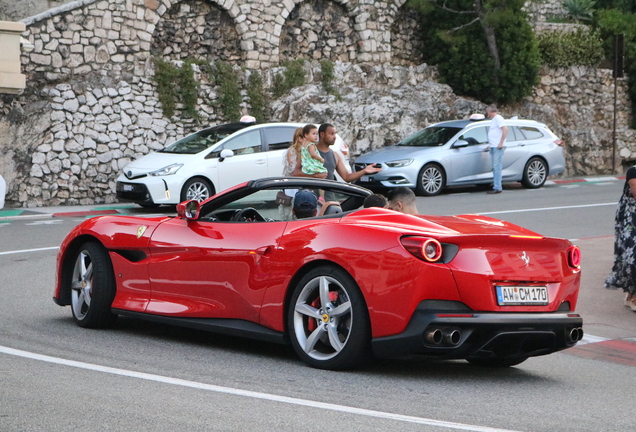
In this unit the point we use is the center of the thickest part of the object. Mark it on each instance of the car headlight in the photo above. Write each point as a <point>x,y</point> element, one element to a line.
<point>167,170</point>
<point>399,163</point>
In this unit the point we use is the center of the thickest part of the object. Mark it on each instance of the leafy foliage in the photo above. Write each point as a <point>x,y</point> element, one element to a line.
<point>176,83</point>
<point>293,76</point>
<point>458,45</point>
<point>326,69</point>
<point>613,22</point>
<point>257,96</point>
<point>564,49</point>
<point>229,91</point>
<point>580,10</point>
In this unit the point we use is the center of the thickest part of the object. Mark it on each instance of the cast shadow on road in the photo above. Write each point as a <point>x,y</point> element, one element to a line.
<point>133,331</point>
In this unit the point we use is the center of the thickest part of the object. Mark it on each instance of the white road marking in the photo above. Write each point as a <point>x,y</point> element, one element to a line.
<point>46,222</point>
<point>250,394</point>
<point>587,339</point>
<point>29,250</point>
<point>549,208</point>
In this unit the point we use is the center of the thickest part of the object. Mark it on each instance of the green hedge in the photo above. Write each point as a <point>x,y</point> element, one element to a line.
<point>565,49</point>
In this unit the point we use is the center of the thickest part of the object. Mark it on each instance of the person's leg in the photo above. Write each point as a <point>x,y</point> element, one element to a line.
<point>497,158</point>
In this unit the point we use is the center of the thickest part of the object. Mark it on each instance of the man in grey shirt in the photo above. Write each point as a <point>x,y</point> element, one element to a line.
<point>333,161</point>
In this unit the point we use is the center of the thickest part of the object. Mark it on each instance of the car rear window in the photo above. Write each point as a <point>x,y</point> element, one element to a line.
<point>430,137</point>
<point>531,133</point>
<point>279,137</point>
<point>199,141</point>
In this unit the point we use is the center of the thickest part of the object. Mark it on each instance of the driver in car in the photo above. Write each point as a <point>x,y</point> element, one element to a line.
<point>305,204</point>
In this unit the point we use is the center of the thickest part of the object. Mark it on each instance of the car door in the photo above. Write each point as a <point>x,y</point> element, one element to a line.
<point>277,140</point>
<point>211,269</point>
<point>472,162</point>
<point>516,154</point>
<point>249,161</point>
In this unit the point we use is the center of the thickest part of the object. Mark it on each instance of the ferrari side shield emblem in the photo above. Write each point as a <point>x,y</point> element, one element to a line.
<point>141,230</point>
<point>525,258</point>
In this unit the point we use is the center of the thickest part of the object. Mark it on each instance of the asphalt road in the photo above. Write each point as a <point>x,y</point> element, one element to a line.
<point>55,376</point>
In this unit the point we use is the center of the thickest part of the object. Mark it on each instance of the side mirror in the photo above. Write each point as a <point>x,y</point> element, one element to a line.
<point>225,153</point>
<point>460,143</point>
<point>189,209</point>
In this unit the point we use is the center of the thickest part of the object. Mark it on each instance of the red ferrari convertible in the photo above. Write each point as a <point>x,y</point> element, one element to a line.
<point>340,286</point>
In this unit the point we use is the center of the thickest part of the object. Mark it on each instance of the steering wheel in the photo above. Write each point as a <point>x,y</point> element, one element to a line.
<point>247,215</point>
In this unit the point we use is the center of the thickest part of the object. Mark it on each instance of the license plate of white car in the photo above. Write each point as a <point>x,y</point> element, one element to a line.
<point>128,187</point>
<point>522,295</point>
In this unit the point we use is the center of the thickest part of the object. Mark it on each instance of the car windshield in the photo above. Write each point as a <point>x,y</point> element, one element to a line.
<point>430,137</point>
<point>202,140</point>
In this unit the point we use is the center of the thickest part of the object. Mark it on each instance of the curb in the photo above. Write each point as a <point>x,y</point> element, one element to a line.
<point>13,214</point>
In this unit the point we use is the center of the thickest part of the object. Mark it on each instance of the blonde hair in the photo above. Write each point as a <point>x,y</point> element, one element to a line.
<point>296,144</point>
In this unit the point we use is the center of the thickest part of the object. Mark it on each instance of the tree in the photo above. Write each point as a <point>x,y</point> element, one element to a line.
<point>484,48</point>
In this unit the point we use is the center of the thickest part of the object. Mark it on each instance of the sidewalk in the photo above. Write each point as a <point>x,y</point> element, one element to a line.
<point>130,209</point>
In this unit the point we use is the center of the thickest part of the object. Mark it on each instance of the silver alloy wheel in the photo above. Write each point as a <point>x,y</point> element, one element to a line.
<point>431,180</point>
<point>82,285</point>
<point>536,172</point>
<point>198,191</point>
<point>322,318</point>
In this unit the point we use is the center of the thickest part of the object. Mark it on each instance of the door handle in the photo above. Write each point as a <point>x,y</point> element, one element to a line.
<point>261,162</point>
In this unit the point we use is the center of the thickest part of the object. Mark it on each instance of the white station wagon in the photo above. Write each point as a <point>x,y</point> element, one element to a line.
<point>208,161</point>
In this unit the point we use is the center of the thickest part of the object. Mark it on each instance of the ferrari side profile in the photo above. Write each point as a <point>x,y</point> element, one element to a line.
<point>342,287</point>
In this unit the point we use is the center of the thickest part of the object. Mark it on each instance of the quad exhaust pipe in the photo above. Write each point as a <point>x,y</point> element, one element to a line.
<point>446,337</point>
<point>575,334</point>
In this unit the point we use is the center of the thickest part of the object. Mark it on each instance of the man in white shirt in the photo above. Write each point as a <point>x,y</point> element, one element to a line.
<point>497,134</point>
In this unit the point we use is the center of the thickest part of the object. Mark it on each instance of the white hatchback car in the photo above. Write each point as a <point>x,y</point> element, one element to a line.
<point>206,162</point>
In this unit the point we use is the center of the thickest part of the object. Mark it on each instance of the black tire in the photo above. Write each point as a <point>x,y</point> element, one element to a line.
<point>337,336</point>
<point>535,173</point>
<point>431,180</point>
<point>499,362</point>
<point>196,188</point>
<point>92,287</point>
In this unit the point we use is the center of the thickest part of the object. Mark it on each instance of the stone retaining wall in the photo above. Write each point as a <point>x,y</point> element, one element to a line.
<point>91,106</point>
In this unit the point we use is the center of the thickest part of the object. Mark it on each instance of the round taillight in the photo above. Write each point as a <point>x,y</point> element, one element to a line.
<point>574,256</point>
<point>431,250</point>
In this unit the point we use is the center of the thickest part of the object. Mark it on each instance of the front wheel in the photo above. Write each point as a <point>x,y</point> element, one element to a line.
<point>328,320</point>
<point>430,180</point>
<point>92,287</point>
<point>196,189</point>
<point>535,173</point>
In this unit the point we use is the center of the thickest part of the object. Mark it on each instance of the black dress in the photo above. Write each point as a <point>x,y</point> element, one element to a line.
<point>623,274</point>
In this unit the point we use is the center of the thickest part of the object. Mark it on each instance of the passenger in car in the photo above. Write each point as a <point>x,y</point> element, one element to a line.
<point>402,199</point>
<point>305,204</point>
<point>375,200</point>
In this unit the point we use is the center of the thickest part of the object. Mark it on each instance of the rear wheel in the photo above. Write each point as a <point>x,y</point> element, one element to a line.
<point>196,188</point>
<point>498,362</point>
<point>92,287</point>
<point>535,173</point>
<point>430,180</point>
<point>328,320</point>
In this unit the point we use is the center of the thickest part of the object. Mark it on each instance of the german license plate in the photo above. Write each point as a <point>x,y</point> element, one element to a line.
<point>522,295</point>
<point>127,187</point>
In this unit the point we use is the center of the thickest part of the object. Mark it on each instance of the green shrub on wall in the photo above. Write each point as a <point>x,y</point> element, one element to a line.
<point>166,77</point>
<point>257,96</point>
<point>229,91</point>
<point>176,83</point>
<point>565,49</point>
<point>326,69</point>
<point>293,76</point>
